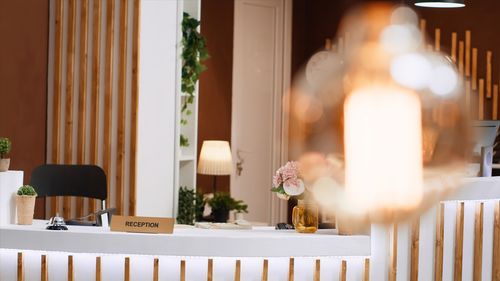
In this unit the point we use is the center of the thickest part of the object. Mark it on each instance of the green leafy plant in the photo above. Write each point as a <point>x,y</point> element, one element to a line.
<point>224,202</point>
<point>26,190</point>
<point>186,211</point>
<point>5,146</point>
<point>199,206</point>
<point>193,53</point>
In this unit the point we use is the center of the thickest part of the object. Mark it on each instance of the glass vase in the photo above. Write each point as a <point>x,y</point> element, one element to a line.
<point>305,217</point>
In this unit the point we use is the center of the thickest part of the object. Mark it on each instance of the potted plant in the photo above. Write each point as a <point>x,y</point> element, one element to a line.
<point>222,204</point>
<point>25,203</point>
<point>5,146</point>
<point>186,212</point>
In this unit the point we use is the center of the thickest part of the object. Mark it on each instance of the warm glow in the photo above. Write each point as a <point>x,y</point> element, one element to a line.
<point>439,4</point>
<point>383,149</point>
<point>215,158</point>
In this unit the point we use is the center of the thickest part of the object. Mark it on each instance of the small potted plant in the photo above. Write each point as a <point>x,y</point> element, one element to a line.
<point>5,146</point>
<point>222,204</point>
<point>25,203</point>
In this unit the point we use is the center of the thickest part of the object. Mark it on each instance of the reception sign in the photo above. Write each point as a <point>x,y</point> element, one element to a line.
<point>142,224</point>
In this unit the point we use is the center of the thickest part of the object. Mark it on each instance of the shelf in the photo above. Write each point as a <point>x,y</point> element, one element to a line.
<point>184,158</point>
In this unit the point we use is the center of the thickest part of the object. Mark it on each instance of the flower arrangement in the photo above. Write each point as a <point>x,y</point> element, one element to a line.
<point>287,181</point>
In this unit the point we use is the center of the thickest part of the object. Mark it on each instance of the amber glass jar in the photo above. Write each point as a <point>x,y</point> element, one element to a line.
<point>305,217</point>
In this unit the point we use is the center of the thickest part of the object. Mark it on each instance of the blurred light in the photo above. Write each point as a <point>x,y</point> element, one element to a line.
<point>400,38</point>
<point>404,15</point>
<point>441,4</point>
<point>411,70</point>
<point>444,80</point>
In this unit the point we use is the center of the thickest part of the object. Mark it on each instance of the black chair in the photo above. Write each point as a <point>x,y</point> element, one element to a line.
<point>70,180</point>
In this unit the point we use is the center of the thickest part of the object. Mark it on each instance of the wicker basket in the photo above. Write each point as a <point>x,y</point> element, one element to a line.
<point>25,209</point>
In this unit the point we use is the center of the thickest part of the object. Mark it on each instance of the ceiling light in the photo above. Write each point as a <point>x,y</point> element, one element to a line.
<point>440,3</point>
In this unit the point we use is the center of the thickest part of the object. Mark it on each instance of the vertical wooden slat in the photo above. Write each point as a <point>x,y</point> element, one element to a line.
<point>98,275</point>
<point>495,102</point>
<point>317,270</point>
<point>328,44</point>
<point>437,39</point>
<point>183,270</point>
<point>20,269</point>
<point>459,243</point>
<point>423,27</point>
<point>481,100</point>
<point>291,269</point>
<point>474,69</point>
<point>454,46</point>
<point>108,92</point>
<point>237,271</point>
<point>489,56</point>
<point>156,265</point>
<point>56,106</point>
<point>414,251</point>
<point>496,244</point>
<point>133,107</point>
<point>438,259</point>
<point>343,271</point>
<point>366,273</point>
<point>210,269</point>
<point>82,94</point>
<point>70,268</point>
<point>96,74</point>
<point>126,270</point>
<point>467,52</point>
<point>478,242</point>
<point>467,95</point>
<point>44,272</point>
<point>340,43</point>
<point>394,254</point>
<point>461,58</point>
<point>265,269</point>
<point>122,92</point>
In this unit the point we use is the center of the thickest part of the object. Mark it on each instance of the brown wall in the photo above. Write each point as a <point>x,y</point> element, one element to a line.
<point>23,82</point>
<point>214,120</point>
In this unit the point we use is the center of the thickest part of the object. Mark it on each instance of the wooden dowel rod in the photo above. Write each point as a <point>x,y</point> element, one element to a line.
<point>467,52</point>
<point>489,56</point>
<point>44,272</point>
<point>317,270</point>
<point>423,28</point>
<point>467,95</point>
<point>439,250</point>
<point>495,102</point>
<point>414,251</point>
<point>481,100</point>
<point>156,273</point>
<point>265,269</point>
<point>459,242</point>
<point>461,58</point>
<point>437,39</point>
<point>474,69</point>
<point>210,269</point>
<point>70,268</point>
<point>237,271</point>
<point>20,269</point>
<point>454,46</point>
<point>478,242</point>
<point>98,275</point>
<point>291,269</point>
<point>394,254</point>
<point>126,271</point>
<point>366,273</point>
<point>183,270</point>
<point>343,271</point>
<point>328,44</point>
<point>496,244</point>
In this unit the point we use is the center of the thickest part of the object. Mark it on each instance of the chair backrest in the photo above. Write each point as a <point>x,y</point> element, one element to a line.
<point>70,180</point>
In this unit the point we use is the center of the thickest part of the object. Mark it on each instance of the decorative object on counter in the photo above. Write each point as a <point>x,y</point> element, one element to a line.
<point>240,224</point>
<point>193,53</point>
<point>25,204</point>
<point>186,212</point>
<point>305,217</point>
<point>5,147</point>
<point>284,226</point>
<point>215,160</point>
<point>222,203</point>
<point>57,223</point>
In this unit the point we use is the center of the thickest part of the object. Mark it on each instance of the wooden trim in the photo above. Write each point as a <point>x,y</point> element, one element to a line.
<point>394,254</point>
<point>467,52</point>
<point>96,78</point>
<point>439,250</point>
<point>108,92</point>
<point>156,265</point>
<point>210,270</point>
<point>459,243</point>
<point>481,100</point>
<point>489,58</point>
<point>291,269</point>
<point>20,269</point>
<point>44,272</point>
<point>122,93</point>
<point>237,271</point>
<point>461,58</point>
<point>454,46</point>
<point>494,111</point>
<point>414,251</point>
<point>134,106</point>
<point>437,39</point>
<point>70,76</point>
<point>183,270</point>
<point>82,94</point>
<point>71,273</point>
<point>126,270</point>
<point>478,242</point>
<point>474,69</point>
<point>265,269</point>
<point>98,274</point>
<point>343,271</point>
<point>317,270</point>
<point>496,244</point>
<point>366,273</point>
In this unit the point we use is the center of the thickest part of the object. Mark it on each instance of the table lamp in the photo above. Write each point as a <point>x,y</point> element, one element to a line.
<point>215,159</point>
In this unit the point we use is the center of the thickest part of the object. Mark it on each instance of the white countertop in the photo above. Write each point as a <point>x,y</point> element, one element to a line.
<point>258,242</point>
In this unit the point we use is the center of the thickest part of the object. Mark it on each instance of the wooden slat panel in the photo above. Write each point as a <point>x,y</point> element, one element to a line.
<point>474,69</point>
<point>265,269</point>
<point>467,95</point>
<point>183,270</point>
<point>480,115</point>
<point>437,39</point>
<point>156,265</point>
<point>414,251</point>
<point>496,244</point>
<point>454,46</point>
<point>133,107</point>
<point>291,269</point>
<point>96,74</point>
<point>317,270</point>
<point>478,242</point>
<point>459,243</point>
<point>70,268</point>
<point>126,270</point>
<point>489,56</point>
<point>56,106</point>
<point>98,274</point>
<point>467,52</point>
<point>328,44</point>
<point>20,269</point>
<point>366,273</point>
<point>210,270</point>
<point>108,92</point>
<point>423,27</point>
<point>394,254</point>
<point>343,271</point>
<point>44,270</point>
<point>70,76</point>
<point>438,259</point>
<point>494,110</point>
<point>122,92</point>
<point>461,58</point>
<point>82,94</point>
<point>237,271</point>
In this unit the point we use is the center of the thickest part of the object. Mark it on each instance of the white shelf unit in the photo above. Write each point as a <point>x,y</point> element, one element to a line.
<point>186,162</point>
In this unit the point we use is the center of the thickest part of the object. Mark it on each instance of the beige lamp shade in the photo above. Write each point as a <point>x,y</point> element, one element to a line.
<point>215,158</point>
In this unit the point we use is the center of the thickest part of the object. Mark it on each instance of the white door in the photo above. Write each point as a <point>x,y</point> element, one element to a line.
<point>261,75</point>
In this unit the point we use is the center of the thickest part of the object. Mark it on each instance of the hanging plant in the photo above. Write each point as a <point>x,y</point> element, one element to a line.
<point>193,53</point>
